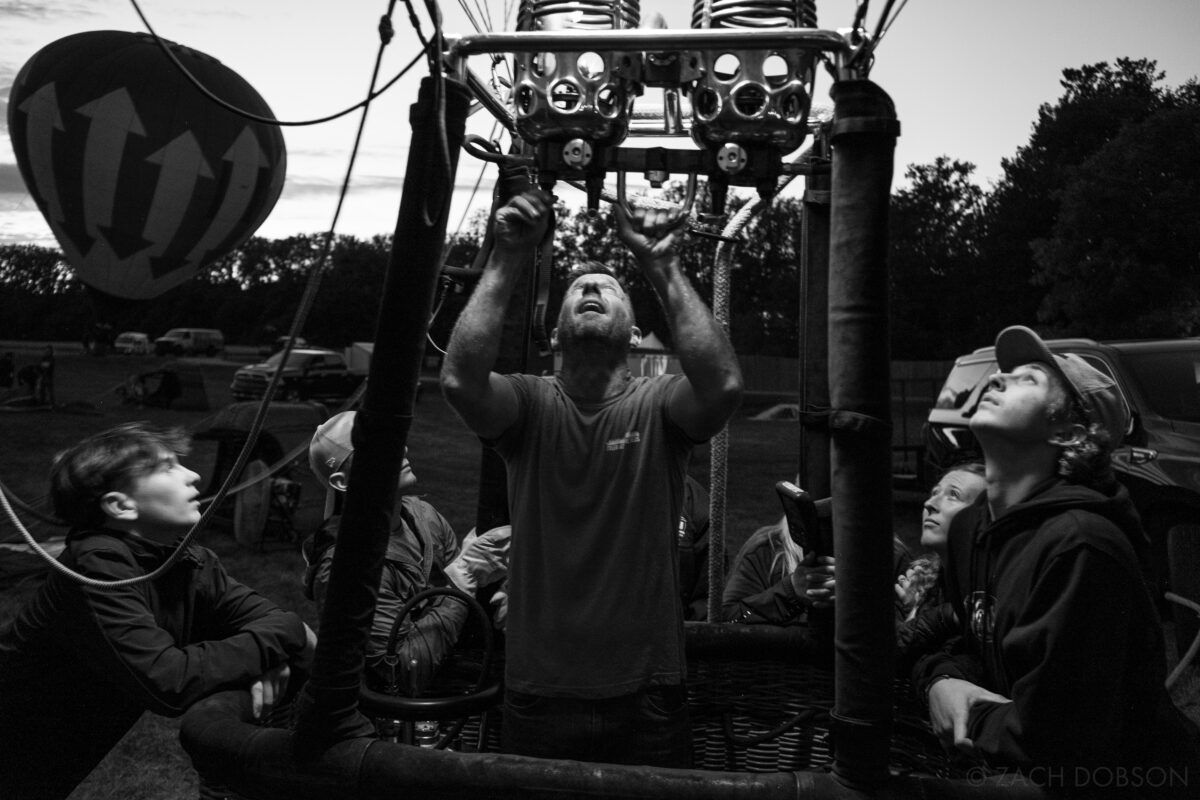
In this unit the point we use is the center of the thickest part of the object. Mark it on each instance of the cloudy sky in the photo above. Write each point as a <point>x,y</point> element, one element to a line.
<point>967,77</point>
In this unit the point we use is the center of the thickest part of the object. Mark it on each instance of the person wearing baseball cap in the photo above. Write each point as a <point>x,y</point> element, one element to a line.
<point>1060,667</point>
<point>422,551</point>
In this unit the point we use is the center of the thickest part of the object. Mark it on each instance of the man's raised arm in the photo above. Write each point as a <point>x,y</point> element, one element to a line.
<point>483,399</point>
<point>713,390</point>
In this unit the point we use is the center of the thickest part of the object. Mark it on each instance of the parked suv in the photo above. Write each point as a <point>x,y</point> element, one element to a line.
<point>190,342</point>
<point>1159,459</point>
<point>311,373</point>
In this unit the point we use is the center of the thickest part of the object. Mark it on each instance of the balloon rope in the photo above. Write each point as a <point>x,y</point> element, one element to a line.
<point>162,45</point>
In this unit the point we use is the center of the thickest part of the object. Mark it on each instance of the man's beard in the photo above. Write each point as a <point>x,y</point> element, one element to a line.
<point>610,338</point>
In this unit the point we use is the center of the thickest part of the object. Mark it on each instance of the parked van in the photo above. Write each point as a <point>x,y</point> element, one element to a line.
<point>132,343</point>
<point>190,342</point>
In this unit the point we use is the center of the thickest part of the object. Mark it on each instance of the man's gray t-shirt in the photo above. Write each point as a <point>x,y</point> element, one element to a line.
<point>595,492</point>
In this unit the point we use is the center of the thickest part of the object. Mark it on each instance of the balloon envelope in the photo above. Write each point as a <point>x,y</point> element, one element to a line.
<point>141,177</point>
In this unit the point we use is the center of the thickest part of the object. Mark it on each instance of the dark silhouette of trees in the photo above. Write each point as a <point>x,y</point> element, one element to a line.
<point>934,230</point>
<point>1099,100</point>
<point>1123,257</point>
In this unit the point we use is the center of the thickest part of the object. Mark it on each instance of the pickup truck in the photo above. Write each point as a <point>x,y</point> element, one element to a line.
<point>311,373</point>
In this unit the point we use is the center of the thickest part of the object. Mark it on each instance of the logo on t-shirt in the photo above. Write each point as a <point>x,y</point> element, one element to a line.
<point>632,437</point>
<point>980,612</point>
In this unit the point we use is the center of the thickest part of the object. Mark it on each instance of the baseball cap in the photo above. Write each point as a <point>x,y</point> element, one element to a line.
<point>330,447</point>
<point>1096,392</point>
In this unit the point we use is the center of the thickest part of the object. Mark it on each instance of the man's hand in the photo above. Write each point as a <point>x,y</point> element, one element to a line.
<point>649,233</point>
<point>950,703</point>
<point>269,689</point>
<point>521,223</point>
<point>482,561</point>
<point>814,580</point>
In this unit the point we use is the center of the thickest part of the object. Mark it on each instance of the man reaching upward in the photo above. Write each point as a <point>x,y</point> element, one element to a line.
<point>596,464</point>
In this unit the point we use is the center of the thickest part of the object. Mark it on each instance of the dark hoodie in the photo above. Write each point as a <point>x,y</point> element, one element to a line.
<point>1056,615</point>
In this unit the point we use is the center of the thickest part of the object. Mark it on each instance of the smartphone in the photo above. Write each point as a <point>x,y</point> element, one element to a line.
<point>801,513</point>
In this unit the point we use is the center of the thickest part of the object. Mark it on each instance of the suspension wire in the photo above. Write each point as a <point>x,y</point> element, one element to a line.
<point>486,14</point>
<point>162,45</point>
<point>471,18</point>
<point>302,311</point>
<point>882,19</point>
<point>882,30</point>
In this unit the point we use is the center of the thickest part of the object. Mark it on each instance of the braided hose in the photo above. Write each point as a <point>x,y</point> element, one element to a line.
<point>718,462</point>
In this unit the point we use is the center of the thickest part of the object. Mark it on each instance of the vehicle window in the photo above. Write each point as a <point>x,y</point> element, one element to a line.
<point>1170,382</point>
<point>961,380</point>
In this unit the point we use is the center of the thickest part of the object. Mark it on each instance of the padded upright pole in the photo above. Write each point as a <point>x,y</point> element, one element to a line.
<point>329,701</point>
<point>863,141</point>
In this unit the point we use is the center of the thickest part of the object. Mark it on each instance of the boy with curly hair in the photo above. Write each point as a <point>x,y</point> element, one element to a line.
<point>1058,670</point>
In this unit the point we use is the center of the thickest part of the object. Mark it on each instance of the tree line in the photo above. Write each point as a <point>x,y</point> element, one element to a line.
<point>1093,229</point>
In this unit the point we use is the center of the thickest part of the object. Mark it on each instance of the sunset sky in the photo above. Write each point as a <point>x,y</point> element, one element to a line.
<point>967,78</point>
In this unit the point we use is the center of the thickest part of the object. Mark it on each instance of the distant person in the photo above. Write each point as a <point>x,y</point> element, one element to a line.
<point>80,664</point>
<point>596,459</point>
<point>168,390</point>
<point>45,379</point>
<point>1058,669</point>
<point>422,552</point>
<point>7,373</point>
<point>27,378</point>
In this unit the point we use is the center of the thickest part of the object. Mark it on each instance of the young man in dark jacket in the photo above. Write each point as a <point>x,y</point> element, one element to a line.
<point>1058,673</point>
<point>90,653</point>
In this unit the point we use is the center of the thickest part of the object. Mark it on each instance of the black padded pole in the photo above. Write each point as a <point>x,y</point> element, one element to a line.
<point>329,701</point>
<point>863,139</point>
<point>813,469</point>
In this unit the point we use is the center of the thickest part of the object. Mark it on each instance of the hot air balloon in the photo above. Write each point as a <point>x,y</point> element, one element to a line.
<point>141,177</point>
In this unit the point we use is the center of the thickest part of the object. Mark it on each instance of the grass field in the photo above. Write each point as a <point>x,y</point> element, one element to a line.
<point>149,762</point>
